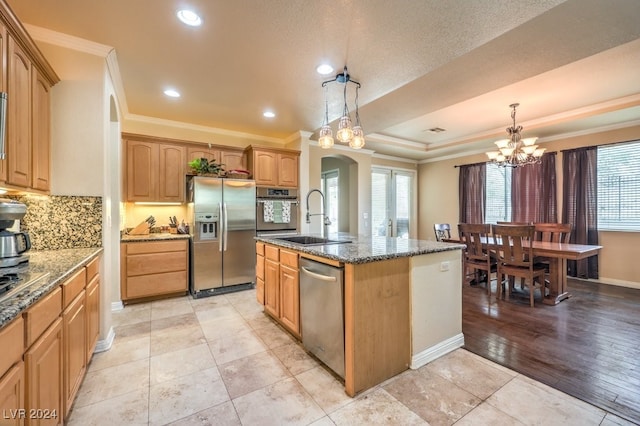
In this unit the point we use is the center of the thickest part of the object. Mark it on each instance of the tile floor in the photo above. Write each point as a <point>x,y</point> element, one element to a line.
<point>221,361</point>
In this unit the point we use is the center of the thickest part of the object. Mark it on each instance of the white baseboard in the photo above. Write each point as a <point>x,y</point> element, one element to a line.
<point>437,351</point>
<point>105,345</point>
<point>619,283</point>
<point>117,306</point>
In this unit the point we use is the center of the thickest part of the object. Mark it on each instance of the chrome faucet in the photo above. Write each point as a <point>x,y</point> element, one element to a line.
<point>325,218</point>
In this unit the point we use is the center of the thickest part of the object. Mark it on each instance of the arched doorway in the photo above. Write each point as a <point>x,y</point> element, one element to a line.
<point>339,182</point>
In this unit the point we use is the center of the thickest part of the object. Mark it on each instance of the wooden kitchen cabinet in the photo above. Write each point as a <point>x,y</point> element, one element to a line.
<point>155,172</point>
<point>194,152</point>
<point>18,143</point>
<point>93,315</point>
<point>282,288</point>
<point>12,394</point>
<point>41,131</point>
<point>273,167</point>
<point>230,158</point>
<point>27,79</point>
<point>289,291</point>
<point>260,273</point>
<point>44,368</point>
<point>152,269</point>
<point>74,326</point>
<point>233,160</point>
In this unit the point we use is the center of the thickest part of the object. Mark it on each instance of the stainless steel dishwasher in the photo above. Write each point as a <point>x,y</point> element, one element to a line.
<point>322,312</point>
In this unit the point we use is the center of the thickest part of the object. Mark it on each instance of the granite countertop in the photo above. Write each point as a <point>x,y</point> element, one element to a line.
<point>158,236</point>
<point>60,264</point>
<point>366,249</point>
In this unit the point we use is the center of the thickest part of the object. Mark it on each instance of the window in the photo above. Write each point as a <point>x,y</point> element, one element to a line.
<point>498,194</point>
<point>618,170</point>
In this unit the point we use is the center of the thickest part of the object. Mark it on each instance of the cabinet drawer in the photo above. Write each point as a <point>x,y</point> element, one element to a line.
<point>156,247</point>
<point>271,252</point>
<point>73,286</point>
<point>289,258</point>
<point>260,249</point>
<point>156,284</point>
<point>41,315</point>
<point>12,344</point>
<point>159,263</point>
<point>93,268</point>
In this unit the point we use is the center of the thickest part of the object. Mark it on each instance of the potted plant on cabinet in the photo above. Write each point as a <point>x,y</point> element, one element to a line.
<point>204,167</point>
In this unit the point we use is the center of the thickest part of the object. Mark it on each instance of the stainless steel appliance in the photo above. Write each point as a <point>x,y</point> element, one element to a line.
<point>223,227</point>
<point>15,280</point>
<point>322,312</point>
<point>13,245</point>
<point>284,198</point>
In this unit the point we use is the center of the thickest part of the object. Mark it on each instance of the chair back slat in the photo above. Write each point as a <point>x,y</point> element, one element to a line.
<point>515,243</point>
<point>442,230</point>
<point>472,235</point>
<point>553,232</point>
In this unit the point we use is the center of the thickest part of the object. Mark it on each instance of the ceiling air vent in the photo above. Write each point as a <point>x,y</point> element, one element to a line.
<point>436,130</point>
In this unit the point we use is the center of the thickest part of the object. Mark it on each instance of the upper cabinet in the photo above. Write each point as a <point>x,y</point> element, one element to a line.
<point>27,79</point>
<point>155,168</point>
<point>274,167</point>
<point>154,171</point>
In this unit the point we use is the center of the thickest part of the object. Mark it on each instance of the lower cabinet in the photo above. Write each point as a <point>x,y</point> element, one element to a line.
<point>74,321</point>
<point>44,378</point>
<point>281,287</point>
<point>260,273</point>
<point>12,395</point>
<point>93,315</point>
<point>157,268</point>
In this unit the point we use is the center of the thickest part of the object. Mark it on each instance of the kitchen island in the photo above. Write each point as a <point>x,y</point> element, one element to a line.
<point>402,299</point>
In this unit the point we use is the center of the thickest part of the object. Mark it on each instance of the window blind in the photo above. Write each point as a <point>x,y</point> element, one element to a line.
<point>618,170</point>
<point>498,194</point>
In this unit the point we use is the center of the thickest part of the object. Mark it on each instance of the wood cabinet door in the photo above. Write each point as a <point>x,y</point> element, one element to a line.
<point>41,131</point>
<point>264,168</point>
<point>290,299</point>
<point>93,315</point>
<point>232,160</point>
<point>209,154</point>
<point>43,363</point>
<point>74,323</point>
<point>18,146</point>
<point>3,88</point>
<point>288,170</point>
<point>12,395</point>
<point>260,279</point>
<point>142,171</point>
<point>272,287</point>
<point>171,173</point>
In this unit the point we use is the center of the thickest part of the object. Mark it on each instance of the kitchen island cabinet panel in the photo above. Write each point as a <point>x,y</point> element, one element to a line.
<point>41,315</point>
<point>272,287</point>
<point>260,273</point>
<point>93,315</point>
<point>74,326</point>
<point>290,299</point>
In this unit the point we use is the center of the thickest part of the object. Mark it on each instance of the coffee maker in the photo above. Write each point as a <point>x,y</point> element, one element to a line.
<point>13,245</point>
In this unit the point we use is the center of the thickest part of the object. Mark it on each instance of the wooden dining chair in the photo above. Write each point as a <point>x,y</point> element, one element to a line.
<point>442,230</point>
<point>477,256</point>
<point>515,251</point>
<point>553,232</point>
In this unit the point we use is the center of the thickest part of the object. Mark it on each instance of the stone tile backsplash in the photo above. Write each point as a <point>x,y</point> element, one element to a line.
<point>60,222</point>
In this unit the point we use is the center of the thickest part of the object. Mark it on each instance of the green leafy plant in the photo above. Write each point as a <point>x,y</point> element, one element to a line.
<point>203,166</point>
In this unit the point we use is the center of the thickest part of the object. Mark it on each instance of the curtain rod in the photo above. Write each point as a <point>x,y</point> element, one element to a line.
<point>487,162</point>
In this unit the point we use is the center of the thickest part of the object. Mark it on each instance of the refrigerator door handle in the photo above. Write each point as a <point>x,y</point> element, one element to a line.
<point>225,226</point>
<point>221,230</point>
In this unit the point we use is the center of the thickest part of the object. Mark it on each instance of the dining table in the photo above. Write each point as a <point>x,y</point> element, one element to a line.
<point>557,254</point>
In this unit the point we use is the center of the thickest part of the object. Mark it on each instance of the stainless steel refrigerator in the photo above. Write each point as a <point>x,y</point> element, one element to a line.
<point>223,225</point>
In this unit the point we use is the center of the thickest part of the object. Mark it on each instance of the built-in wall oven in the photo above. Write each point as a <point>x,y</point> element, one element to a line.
<point>277,211</point>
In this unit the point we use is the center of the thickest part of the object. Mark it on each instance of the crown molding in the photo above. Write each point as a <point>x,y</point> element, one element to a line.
<point>68,41</point>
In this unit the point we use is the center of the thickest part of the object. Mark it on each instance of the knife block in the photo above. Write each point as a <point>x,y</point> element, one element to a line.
<point>141,229</point>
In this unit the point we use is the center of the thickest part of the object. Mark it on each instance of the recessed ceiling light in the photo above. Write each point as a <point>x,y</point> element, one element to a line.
<point>324,69</point>
<point>189,17</point>
<point>172,93</point>
<point>269,114</point>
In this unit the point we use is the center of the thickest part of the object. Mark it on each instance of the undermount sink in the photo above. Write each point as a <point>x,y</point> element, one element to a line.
<point>307,240</point>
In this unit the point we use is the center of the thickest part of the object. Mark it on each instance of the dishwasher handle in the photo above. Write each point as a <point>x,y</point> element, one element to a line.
<point>319,276</point>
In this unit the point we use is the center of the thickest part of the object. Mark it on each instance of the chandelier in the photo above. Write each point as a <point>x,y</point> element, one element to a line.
<point>353,135</point>
<point>515,151</point>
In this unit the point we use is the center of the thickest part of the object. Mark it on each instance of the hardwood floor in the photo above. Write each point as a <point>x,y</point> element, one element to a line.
<point>587,346</point>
